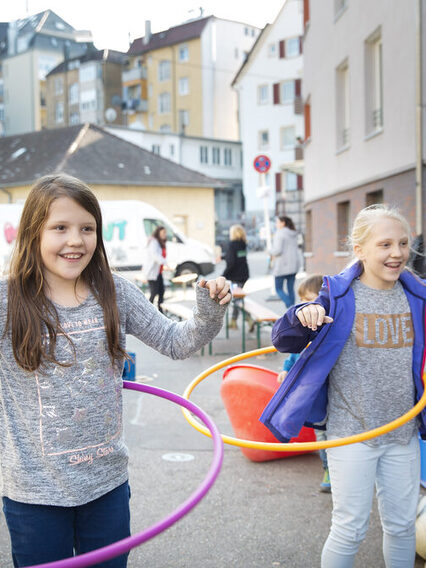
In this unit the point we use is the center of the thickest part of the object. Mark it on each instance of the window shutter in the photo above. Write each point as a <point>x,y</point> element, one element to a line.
<point>305,13</point>
<point>298,87</point>
<point>282,49</point>
<point>276,87</point>
<point>299,182</point>
<point>278,182</point>
<point>307,121</point>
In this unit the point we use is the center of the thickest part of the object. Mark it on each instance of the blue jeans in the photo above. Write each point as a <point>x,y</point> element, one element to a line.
<point>44,533</point>
<point>354,471</point>
<point>288,298</point>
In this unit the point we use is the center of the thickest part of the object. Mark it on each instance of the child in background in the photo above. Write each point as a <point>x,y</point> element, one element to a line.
<point>64,318</point>
<point>307,291</point>
<point>362,369</point>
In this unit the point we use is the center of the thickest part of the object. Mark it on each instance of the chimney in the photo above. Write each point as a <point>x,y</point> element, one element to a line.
<point>147,35</point>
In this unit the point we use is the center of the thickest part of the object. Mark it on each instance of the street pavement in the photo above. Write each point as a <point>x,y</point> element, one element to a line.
<point>257,514</point>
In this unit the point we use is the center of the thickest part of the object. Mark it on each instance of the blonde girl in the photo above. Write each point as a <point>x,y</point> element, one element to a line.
<point>362,370</point>
<point>65,317</point>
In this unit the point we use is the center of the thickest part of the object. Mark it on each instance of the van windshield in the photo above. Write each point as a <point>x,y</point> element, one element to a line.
<point>151,224</point>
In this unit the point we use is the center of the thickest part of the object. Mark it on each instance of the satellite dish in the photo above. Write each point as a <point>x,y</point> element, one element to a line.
<point>110,114</point>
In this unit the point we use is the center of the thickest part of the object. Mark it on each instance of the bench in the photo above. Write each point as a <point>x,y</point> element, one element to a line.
<point>175,310</point>
<point>183,280</point>
<point>261,315</point>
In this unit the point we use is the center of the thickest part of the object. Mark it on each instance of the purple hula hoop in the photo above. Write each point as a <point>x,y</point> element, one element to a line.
<point>126,544</point>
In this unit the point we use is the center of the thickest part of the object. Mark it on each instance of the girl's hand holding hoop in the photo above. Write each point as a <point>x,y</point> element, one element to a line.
<point>312,316</point>
<point>219,289</point>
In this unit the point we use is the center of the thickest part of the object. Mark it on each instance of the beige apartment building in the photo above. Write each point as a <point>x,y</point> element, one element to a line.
<point>179,80</point>
<point>85,89</point>
<point>29,49</point>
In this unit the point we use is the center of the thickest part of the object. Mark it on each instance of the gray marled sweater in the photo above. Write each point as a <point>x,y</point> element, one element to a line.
<point>61,428</point>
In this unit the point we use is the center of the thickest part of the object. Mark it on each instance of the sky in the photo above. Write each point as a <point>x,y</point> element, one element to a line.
<point>111,21</point>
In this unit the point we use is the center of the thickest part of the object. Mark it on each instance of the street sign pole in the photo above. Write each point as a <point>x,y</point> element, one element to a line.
<point>265,197</point>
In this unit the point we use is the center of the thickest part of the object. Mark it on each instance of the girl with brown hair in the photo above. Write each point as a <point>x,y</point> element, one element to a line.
<point>65,319</point>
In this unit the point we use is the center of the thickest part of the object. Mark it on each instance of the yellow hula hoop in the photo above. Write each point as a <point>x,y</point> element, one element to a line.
<point>295,446</point>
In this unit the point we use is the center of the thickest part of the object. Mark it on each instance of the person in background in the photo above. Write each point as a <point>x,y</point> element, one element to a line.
<point>154,263</point>
<point>236,270</point>
<point>308,290</point>
<point>362,370</point>
<point>286,259</point>
<point>65,317</point>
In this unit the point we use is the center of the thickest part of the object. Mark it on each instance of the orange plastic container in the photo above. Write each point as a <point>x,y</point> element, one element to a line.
<point>245,391</point>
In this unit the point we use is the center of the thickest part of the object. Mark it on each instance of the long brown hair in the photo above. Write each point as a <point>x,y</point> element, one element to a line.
<point>30,313</point>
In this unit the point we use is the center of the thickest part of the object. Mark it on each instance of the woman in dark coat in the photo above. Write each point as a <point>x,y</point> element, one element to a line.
<point>236,270</point>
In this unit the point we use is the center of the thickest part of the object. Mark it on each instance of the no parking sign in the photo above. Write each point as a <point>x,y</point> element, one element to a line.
<point>262,164</point>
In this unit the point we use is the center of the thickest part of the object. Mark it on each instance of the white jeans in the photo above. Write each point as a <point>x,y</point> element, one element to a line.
<point>354,471</point>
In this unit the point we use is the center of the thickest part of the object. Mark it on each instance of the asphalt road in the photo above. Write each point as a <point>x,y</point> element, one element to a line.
<point>257,515</point>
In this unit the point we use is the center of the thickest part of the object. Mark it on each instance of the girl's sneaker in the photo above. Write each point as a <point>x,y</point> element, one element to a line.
<point>325,486</point>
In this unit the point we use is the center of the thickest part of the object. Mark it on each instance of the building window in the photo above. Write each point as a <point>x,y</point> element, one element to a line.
<point>308,231</point>
<point>204,155</point>
<point>74,118</point>
<point>216,156</point>
<point>183,86</point>
<point>87,73</point>
<point>183,120</point>
<point>292,47</point>
<point>59,86</point>
<point>287,138</point>
<point>287,92</point>
<point>262,94</point>
<point>155,149</point>
<point>73,94</point>
<point>272,50</point>
<point>227,157</point>
<point>88,100</point>
<point>183,53</point>
<point>165,128</point>
<point>59,112</point>
<point>343,221</point>
<point>374,83</point>
<point>374,197</point>
<point>163,103</point>
<point>164,70</point>
<point>291,181</point>
<point>263,139</point>
<point>342,106</point>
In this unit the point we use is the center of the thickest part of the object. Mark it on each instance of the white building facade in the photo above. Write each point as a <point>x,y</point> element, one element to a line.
<point>362,126</point>
<point>271,114</point>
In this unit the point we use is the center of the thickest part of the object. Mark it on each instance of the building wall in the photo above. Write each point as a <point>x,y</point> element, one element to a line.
<point>22,74</point>
<point>398,190</point>
<point>328,42</point>
<point>191,101</point>
<point>196,221</point>
<point>264,69</point>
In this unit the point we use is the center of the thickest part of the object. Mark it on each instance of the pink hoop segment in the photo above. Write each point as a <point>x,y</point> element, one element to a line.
<point>126,544</point>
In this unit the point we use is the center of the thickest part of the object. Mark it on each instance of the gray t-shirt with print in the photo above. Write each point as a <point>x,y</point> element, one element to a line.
<point>61,428</point>
<point>372,382</point>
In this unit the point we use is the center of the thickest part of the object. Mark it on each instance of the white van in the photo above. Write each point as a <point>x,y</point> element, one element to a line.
<point>127,225</point>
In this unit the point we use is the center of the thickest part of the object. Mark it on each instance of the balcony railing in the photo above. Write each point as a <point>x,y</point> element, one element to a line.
<point>135,74</point>
<point>140,105</point>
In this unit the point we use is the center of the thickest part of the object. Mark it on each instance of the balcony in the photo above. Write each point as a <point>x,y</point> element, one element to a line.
<point>135,74</point>
<point>140,105</point>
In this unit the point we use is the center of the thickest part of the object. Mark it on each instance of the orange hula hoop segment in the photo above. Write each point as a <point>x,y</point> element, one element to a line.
<point>295,446</point>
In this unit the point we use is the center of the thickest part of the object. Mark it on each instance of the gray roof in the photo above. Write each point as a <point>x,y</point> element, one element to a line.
<point>92,154</point>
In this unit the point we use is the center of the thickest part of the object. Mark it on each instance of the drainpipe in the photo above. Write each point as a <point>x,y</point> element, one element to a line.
<point>419,119</point>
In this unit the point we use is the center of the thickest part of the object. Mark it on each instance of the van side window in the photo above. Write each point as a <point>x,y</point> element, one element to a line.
<point>151,224</point>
